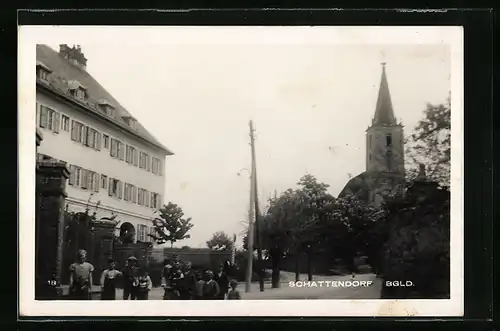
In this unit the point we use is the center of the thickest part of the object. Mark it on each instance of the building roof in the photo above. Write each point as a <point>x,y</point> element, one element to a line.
<point>63,73</point>
<point>359,186</point>
<point>384,113</point>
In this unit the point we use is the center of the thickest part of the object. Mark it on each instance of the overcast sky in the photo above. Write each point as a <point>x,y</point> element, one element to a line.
<point>310,103</point>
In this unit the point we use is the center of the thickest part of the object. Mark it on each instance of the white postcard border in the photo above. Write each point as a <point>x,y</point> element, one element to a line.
<point>29,36</point>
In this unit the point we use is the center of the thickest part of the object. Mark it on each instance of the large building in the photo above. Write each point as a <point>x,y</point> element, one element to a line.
<point>115,164</point>
<point>385,173</point>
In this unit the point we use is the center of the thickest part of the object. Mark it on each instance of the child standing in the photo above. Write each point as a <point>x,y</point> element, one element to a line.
<point>210,287</point>
<point>233,293</point>
<point>108,281</point>
<point>129,279</point>
<point>80,277</point>
<point>144,285</point>
<point>199,285</point>
<point>188,287</point>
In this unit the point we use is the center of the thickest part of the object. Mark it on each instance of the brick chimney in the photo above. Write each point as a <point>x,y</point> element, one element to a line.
<point>74,55</point>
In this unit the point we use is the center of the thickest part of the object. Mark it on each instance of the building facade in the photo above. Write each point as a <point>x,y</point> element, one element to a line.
<point>116,166</point>
<point>385,173</point>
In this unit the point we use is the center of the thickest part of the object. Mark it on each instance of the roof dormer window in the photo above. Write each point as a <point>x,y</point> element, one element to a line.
<point>107,108</point>
<point>131,122</point>
<point>77,90</point>
<point>42,71</point>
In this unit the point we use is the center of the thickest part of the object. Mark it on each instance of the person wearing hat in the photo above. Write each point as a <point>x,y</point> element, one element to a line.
<point>129,279</point>
<point>80,277</point>
<point>108,281</point>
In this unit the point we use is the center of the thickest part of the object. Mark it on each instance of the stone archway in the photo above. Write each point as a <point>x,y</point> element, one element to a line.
<point>127,233</point>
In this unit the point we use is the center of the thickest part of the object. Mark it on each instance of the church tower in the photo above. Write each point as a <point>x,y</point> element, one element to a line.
<point>385,172</point>
<point>384,138</point>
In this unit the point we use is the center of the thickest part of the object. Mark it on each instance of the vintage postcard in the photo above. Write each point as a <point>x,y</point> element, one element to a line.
<point>263,165</point>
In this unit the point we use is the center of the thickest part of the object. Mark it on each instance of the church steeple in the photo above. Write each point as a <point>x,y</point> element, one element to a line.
<point>384,114</point>
<point>385,138</point>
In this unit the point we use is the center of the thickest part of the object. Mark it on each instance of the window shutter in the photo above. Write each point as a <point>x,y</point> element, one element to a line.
<point>120,190</point>
<point>72,175</point>
<point>37,114</point>
<point>57,122</point>
<point>112,149</point>
<point>110,187</point>
<point>158,201</point>
<point>99,143</point>
<point>74,131</point>
<point>152,204</point>
<point>134,194</point>
<point>90,137</point>
<point>78,176</point>
<point>96,182</point>
<point>121,151</point>
<point>84,178</point>
<point>136,157</point>
<point>43,116</point>
<point>148,163</point>
<point>89,179</point>
<point>84,135</point>
<point>126,192</point>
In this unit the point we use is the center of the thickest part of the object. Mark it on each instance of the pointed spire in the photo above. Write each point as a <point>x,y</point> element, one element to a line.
<point>384,114</point>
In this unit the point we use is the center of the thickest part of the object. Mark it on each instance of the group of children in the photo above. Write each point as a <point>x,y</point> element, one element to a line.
<point>179,281</point>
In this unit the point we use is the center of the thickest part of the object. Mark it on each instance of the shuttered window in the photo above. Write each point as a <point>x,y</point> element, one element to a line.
<point>95,182</point>
<point>121,151</point>
<point>114,148</point>
<point>85,179</point>
<point>120,190</point>
<point>104,182</point>
<point>72,174</point>
<point>115,188</point>
<point>49,118</point>
<point>98,141</point>
<point>134,194</point>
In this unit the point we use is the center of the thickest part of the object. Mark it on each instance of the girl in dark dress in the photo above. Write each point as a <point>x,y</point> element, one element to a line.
<point>222,279</point>
<point>108,281</point>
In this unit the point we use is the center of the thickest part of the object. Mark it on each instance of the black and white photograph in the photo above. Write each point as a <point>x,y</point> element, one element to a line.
<point>269,165</point>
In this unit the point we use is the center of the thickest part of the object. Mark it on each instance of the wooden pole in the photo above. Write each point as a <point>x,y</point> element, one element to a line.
<point>257,212</point>
<point>250,238</point>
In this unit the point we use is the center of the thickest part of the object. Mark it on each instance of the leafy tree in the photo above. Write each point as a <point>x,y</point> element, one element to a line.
<point>290,225</point>
<point>220,241</point>
<point>430,143</point>
<point>417,227</point>
<point>350,230</point>
<point>171,226</point>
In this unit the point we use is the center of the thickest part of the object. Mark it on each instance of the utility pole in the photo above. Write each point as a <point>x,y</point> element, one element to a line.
<point>257,211</point>
<point>250,235</point>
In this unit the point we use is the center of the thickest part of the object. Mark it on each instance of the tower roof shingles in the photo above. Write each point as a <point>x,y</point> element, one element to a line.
<point>384,113</point>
